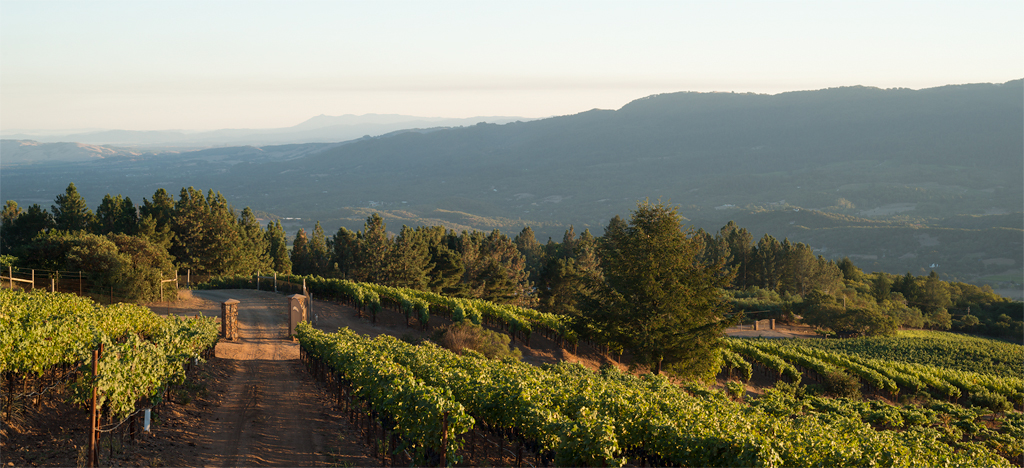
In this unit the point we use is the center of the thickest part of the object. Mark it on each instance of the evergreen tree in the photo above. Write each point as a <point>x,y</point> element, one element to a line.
<point>189,225</point>
<point>116,214</point>
<point>935,296</point>
<point>850,271</point>
<point>319,255</point>
<point>907,286</point>
<point>586,255</point>
<point>740,243</point>
<point>300,253</point>
<point>71,213</point>
<point>881,287</point>
<point>805,272</point>
<point>345,250</point>
<point>446,272</point>
<point>409,259</point>
<point>156,218</point>
<point>565,283</point>
<point>30,223</point>
<point>223,241</point>
<point>527,244</point>
<point>278,248</point>
<point>374,249</point>
<point>254,248</point>
<point>768,263</point>
<point>659,300</point>
<point>569,243</point>
<point>613,233</point>
<point>8,229</point>
<point>495,270</point>
<point>128,223</point>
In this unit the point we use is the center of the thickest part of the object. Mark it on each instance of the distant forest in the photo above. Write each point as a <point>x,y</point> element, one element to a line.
<point>768,278</point>
<point>895,179</point>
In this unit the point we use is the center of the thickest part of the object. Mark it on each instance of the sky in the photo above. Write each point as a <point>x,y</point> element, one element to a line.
<point>156,65</point>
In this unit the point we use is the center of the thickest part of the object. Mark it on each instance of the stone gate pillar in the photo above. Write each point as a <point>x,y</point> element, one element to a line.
<point>298,305</point>
<point>229,319</point>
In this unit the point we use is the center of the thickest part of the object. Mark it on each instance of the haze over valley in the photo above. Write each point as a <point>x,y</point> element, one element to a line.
<point>896,179</point>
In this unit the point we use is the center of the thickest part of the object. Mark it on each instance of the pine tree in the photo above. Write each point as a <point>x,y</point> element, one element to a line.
<point>409,262</point>
<point>495,270</point>
<point>128,222</point>
<point>374,248</point>
<point>156,219</point>
<point>446,272</point>
<point>223,241</point>
<point>569,243</point>
<point>71,213</point>
<point>740,243</point>
<point>300,253</point>
<point>26,225</point>
<point>108,214</point>
<point>527,244</point>
<point>659,301</point>
<point>278,248</point>
<point>767,264</point>
<point>189,219</point>
<point>319,254</point>
<point>254,248</point>
<point>881,287</point>
<point>345,250</point>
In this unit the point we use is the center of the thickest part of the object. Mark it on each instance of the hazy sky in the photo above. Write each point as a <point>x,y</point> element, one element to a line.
<point>147,65</point>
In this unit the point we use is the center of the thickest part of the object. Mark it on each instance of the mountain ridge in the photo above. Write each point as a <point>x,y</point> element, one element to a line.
<point>941,162</point>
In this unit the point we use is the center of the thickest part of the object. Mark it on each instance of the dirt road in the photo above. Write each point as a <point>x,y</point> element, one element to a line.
<point>263,408</point>
<point>270,412</point>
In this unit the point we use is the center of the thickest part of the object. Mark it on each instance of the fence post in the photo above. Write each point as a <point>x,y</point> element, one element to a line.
<point>275,281</point>
<point>33,279</point>
<point>94,423</point>
<point>161,286</point>
<point>53,284</point>
<point>258,280</point>
<point>10,276</point>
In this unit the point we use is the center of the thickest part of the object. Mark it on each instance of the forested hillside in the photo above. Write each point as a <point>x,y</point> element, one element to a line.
<point>897,179</point>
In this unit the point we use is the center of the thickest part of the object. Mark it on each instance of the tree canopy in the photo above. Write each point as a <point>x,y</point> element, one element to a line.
<point>659,301</point>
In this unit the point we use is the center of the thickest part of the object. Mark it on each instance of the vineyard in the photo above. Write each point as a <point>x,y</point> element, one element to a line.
<point>422,405</point>
<point>572,416</point>
<point>48,341</point>
<point>964,388</point>
<point>961,406</point>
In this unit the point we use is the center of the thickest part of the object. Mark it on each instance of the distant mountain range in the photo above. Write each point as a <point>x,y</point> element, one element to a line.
<point>899,180</point>
<point>319,129</point>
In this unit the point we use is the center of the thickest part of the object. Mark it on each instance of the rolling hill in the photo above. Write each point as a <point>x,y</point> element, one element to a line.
<point>898,179</point>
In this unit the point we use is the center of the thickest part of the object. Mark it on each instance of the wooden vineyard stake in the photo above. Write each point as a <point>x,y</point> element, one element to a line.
<point>94,420</point>
<point>444,440</point>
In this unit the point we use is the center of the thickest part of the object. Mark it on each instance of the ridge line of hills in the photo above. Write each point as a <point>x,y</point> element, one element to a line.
<point>899,180</point>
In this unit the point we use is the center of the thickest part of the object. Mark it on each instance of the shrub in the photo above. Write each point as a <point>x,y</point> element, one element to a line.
<point>842,384</point>
<point>469,336</point>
